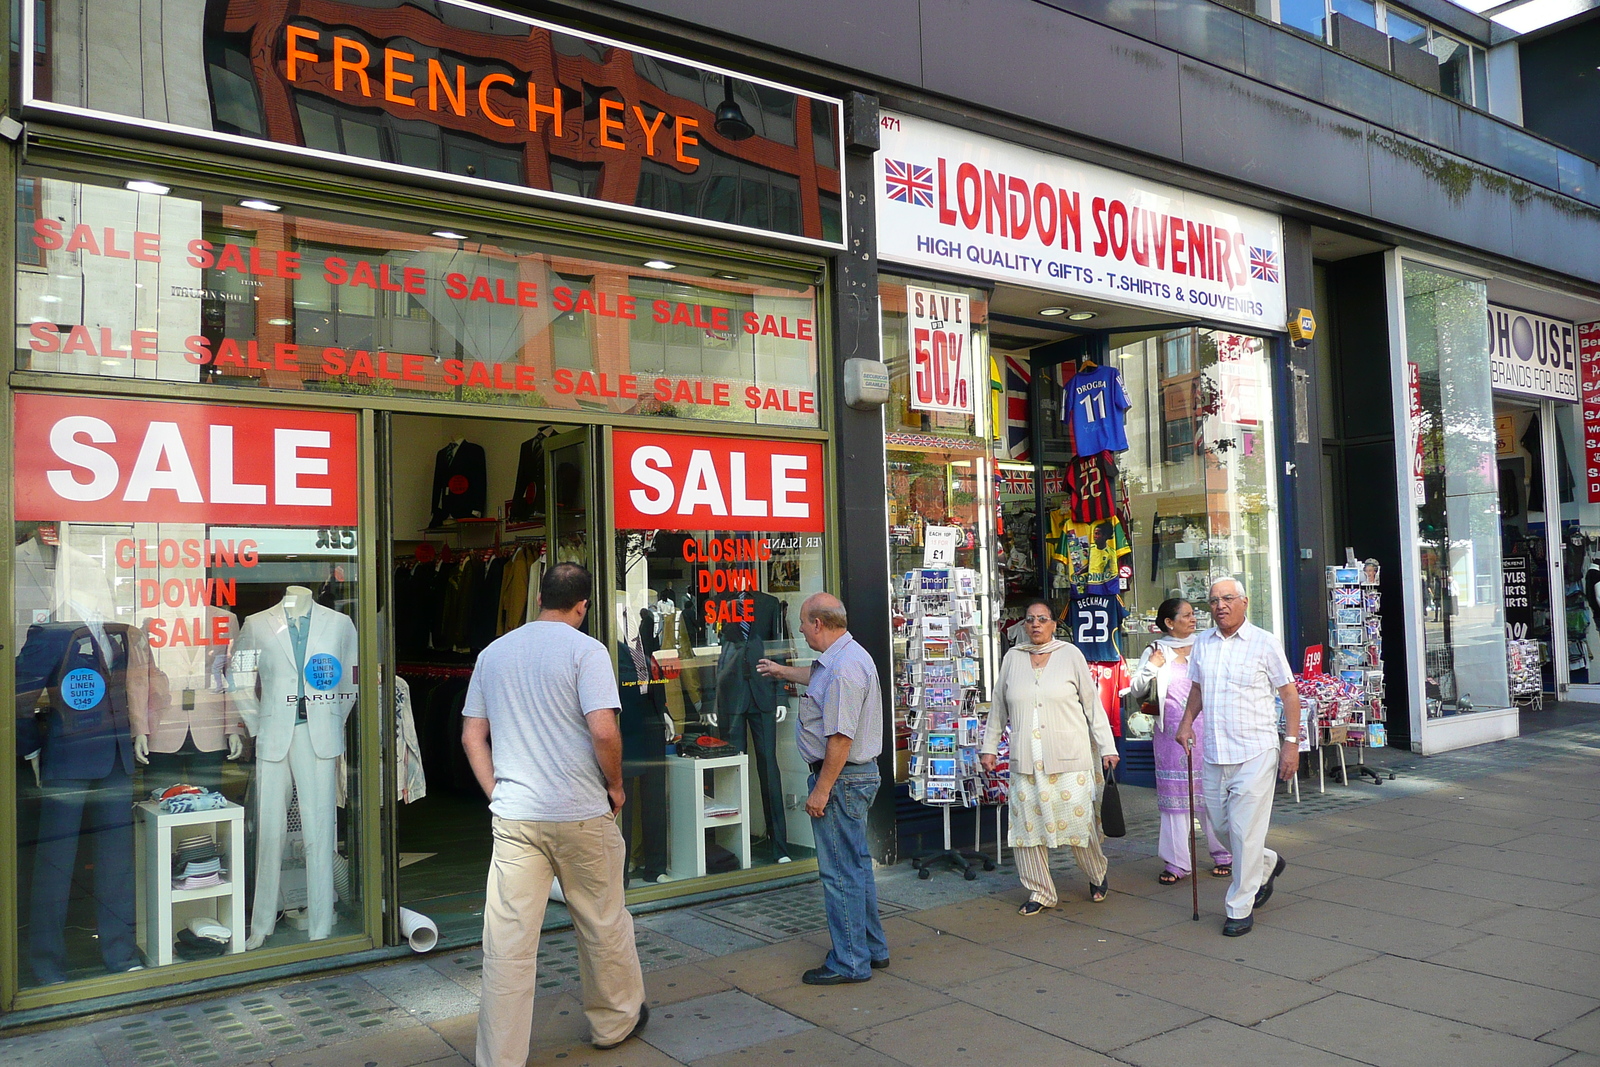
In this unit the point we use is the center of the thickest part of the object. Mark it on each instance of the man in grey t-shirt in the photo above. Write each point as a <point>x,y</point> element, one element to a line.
<point>540,731</point>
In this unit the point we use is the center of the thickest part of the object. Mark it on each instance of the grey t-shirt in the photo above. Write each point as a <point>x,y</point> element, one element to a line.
<point>535,685</point>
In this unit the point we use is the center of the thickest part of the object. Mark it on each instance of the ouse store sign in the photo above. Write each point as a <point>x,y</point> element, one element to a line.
<point>961,202</point>
<point>1532,355</point>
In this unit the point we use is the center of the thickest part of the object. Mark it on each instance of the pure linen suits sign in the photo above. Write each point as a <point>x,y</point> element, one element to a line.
<point>291,755</point>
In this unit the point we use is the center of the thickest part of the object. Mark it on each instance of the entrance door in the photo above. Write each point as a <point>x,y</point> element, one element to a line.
<point>1532,613</point>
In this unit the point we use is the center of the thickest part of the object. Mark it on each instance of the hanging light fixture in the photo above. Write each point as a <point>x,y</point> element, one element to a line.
<point>730,121</point>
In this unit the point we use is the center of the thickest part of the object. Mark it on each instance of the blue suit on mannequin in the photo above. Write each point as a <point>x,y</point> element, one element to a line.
<point>82,691</point>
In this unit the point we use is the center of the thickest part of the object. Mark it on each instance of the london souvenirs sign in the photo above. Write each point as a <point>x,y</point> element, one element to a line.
<point>967,204</point>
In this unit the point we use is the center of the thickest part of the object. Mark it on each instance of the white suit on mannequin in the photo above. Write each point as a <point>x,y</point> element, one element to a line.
<point>269,679</point>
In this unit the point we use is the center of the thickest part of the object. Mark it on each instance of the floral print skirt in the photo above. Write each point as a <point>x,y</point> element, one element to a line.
<point>1053,810</point>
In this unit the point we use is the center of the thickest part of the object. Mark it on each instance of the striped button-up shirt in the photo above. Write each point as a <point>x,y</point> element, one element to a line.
<point>1238,678</point>
<point>841,698</point>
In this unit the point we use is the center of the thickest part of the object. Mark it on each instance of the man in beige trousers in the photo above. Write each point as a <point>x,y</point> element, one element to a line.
<point>540,731</point>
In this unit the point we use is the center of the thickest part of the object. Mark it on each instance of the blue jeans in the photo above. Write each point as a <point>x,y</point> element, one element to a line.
<point>849,892</point>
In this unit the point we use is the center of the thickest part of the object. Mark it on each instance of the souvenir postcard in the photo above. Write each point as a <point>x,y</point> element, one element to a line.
<point>941,791</point>
<point>933,580</point>
<point>966,582</point>
<point>969,763</point>
<point>967,671</point>
<point>1371,600</point>
<point>1349,637</point>
<point>1354,677</point>
<point>916,766</point>
<point>1347,597</point>
<point>971,731</point>
<point>918,790</point>
<point>939,672</point>
<point>941,744</point>
<point>941,696</point>
<point>1349,617</point>
<point>936,648</point>
<point>1369,572</point>
<point>937,626</point>
<point>1344,575</point>
<point>940,767</point>
<point>941,719</point>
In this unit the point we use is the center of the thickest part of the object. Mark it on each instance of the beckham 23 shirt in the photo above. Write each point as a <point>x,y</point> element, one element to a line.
<point>1095,622</point>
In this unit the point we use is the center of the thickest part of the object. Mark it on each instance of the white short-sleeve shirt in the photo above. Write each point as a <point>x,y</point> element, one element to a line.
<point>1239,678</point>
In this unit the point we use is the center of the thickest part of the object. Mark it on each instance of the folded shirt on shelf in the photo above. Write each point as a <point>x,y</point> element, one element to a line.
<point>200,881</point>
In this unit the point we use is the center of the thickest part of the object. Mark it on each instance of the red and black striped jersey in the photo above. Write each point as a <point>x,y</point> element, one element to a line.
<point>1092,487</point>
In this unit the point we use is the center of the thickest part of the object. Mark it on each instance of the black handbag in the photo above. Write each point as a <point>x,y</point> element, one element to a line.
<point>1111,821</point>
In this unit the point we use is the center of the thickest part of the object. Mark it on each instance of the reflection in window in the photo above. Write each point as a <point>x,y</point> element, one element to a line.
<point>724,189</point>
<point>234,103</point>
<point>1363,11</point>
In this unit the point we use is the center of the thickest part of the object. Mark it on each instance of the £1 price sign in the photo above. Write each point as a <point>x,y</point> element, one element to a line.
<point>941,350</point>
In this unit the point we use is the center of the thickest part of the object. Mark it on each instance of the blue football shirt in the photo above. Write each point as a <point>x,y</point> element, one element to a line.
<point>1095,622</point>
<point>1097,400</point>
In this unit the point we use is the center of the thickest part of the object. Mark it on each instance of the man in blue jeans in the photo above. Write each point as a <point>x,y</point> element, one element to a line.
<point>840,733</point>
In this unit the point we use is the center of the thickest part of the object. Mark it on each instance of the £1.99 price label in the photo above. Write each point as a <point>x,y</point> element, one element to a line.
<point>940,328</point>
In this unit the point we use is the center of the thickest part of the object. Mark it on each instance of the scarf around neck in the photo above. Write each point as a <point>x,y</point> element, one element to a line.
<point>1049,646</point>
<point>1176,642</point>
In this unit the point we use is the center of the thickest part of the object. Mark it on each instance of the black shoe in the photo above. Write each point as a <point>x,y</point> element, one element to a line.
<point>879,965</point>
<point>1238,927</point>
<point>1265,892</point>
<point>823,976</point>
<point>644,1018</point>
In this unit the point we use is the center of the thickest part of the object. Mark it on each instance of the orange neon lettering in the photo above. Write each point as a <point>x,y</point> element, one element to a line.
<point>483,98</point>
<point>683,138</point>
<point>293,35</point>
<point>649,128</point>
<point>607,123</point>
<point>553,109</point>
<point>436,81</point>
<point>341,64</point>
<point>392,77</point>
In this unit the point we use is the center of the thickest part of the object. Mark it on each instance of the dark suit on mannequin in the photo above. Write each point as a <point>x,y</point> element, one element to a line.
<point>644,747</point>
<point>460,483</point>
<point>748,700</point>
<point>82,693</point>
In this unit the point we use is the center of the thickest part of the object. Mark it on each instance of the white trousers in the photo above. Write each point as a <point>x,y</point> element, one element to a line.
<point>276,781</point>
<point>1239,801</point>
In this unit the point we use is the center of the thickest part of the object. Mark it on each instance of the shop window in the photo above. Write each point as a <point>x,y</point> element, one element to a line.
<point>1457,495</point>
<point>723,189</point>
<point>218,293</point>
<point>176,610</point>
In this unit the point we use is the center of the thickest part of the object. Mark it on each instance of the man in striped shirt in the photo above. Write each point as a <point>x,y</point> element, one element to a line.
<point>1237,668</point>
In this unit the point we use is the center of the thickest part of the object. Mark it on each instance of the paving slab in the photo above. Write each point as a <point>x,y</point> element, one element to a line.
<point>1386,1036</point>
<point>1377,930</point>
<point>1579,865</point>
<point>1083,1010</point>
<point>1467,833</point>
<point>1120,913</point>
<point>811,1048</point>
<point>963,1035</point>
<point>930,957</point>
<point>1519,890</point>
<point>73,1047</point>
<point>683,982</point>
<point>706,1026</point>
<point>1066,944</point>
<point>1580,1034</point>
<point>847,1008</point>
<point>1553,844</point>
<point>1439,808</point>
<point>1267,948</point>
<point>1388,844</point>
<point>1356,862</point>
<point>1524,961</point>
<point>1483,1000</point>
<point>1561,826</point>
<point>759,970</point>
<point>690,928</point>
<point>1409,901</point>
<point>401,1048</point>
<point>1215,987</point>
<point>1215,1043</point>
<point>416,987</point>
<point>1561,928</point>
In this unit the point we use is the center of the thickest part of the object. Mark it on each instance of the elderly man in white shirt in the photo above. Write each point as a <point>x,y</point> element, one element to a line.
<point>1236,667</point>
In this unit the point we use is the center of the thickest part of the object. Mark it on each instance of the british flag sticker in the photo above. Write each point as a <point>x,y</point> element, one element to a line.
<point>1263,264</point>
<point>908,183</point>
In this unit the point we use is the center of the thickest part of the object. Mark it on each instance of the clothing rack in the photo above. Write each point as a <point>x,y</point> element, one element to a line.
<point>432,670</point>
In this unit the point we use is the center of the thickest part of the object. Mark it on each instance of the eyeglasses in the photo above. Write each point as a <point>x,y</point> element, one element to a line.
<point>1037,618</point>
<point>1224,599</point>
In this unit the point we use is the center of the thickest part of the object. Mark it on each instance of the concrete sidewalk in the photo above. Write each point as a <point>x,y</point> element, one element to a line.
<point>1450,916</point>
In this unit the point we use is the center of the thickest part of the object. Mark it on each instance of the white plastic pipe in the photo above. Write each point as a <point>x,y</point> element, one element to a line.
<point>418,930</point>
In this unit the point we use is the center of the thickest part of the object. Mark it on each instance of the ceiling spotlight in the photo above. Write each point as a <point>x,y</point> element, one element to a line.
<point>726,276</point>
<point>450,235</point>
<point>260,205</point>
<point>660,264</point>
<point>1051,313</point>
<point>730,121</point>
<point>280,322</point>
<point>142,186</point>
<point>1081,316</point>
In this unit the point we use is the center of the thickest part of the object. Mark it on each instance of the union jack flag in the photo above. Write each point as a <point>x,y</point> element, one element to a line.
<point>908,183</point>
<point>1347,596</point>
<point>1017,377</point>
<point>1263,264</point>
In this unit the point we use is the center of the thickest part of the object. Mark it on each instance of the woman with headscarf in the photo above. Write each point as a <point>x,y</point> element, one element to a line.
<point>1162,679</point>
<point>1060,744</point>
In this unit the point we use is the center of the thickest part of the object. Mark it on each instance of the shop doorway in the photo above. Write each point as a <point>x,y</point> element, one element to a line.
<point>477,509</point>
<point>1532,614</point>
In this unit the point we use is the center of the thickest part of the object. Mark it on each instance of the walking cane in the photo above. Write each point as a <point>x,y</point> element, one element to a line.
<point>1194,869</point>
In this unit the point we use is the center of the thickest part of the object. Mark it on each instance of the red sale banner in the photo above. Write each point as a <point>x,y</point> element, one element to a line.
<point>1589,392</point>
<point>941,350</point>
<point>82,459</point>
<point>1419,493</point>
<point>672,482</point>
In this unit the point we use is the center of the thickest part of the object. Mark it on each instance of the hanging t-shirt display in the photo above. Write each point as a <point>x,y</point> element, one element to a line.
<point>1095,623</point>
<point>1096,401</point>
<point>1113,680</point>
<point>1092,487</point>
<point>1090,556</point>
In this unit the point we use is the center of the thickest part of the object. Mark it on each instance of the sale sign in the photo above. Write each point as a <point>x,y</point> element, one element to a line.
<point>86,459</point>
<point>677,482</point>
<point>1589,385</point>
<point>940,330</point>
<point>1419,492</point>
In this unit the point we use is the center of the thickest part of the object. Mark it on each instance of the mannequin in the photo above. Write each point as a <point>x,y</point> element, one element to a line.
<point>81,699</point>
<point>749,702</point>
<point>194,725</point>
<point>294,696</point>
<point>645,729</point>
<point>460,482</point>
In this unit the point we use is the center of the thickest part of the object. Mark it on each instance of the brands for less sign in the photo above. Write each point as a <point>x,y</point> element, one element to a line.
<point>81,459</point>
<point>1532,355</point>
<point>672,482</point>
<point>959,201</point>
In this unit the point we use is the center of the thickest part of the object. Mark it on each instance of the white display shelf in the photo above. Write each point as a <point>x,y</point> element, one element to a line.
<point>158,902</point>
<point>689,781</point>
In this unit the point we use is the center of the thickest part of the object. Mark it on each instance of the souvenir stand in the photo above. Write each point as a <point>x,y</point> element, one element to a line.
<point>937,615</point>
<point>1346,701</point>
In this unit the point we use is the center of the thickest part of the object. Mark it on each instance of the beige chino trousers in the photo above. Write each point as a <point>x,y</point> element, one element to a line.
<point>588,857</point>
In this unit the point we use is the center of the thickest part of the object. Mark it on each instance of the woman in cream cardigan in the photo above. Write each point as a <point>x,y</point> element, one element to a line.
<point>1045,692</point>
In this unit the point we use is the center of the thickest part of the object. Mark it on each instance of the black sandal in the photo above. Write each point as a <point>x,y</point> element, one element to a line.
<point>1222,870</point>
<point>1170,878</point>
<point>1097,893</point>
<point>1032,908</point>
